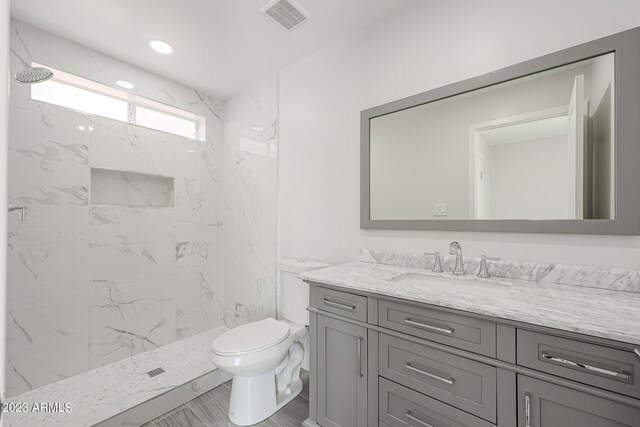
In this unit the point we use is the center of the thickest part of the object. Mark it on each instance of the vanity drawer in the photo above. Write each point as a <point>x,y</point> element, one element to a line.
<point>399,406</point>
<point>342,303</point>
<point>467,333</point>
<point>463,383</point>
<point>596,365</point>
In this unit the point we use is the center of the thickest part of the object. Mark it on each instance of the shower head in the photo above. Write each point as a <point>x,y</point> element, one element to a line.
<point>31,74</point>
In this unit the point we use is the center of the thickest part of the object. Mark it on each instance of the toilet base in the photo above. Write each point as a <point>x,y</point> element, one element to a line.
<point>253,399</point>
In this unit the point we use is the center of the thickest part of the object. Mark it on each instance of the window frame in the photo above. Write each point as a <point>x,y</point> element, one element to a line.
<point>131,99</point>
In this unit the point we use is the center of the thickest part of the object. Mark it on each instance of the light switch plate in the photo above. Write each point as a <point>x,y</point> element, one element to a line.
<point>439,209</point>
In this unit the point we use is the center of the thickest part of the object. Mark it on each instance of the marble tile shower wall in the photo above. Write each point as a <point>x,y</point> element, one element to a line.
<point>250,198</point>
<point>90,285</point>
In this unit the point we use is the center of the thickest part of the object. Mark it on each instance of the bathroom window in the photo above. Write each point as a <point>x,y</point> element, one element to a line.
<point>77,93</point>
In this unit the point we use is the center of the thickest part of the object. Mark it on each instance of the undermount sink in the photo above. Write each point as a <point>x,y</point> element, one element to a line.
<point>452,284</point>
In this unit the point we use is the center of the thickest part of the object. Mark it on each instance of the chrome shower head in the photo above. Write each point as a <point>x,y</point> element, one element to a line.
<point>31,74</point>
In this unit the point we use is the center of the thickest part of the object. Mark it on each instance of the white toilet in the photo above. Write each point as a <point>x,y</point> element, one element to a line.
<point>265,356</point>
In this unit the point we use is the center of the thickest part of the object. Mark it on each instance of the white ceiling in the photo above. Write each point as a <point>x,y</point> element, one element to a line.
<point>221,46</point>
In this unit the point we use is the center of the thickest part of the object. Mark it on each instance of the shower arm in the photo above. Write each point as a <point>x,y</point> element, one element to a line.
<point>19,58</point>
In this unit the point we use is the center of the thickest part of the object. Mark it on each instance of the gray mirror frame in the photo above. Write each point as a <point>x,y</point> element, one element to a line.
<point>626,46</point>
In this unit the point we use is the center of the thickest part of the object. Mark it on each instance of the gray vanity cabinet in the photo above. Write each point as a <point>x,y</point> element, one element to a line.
<point>542,404</point>
<point>342,373</point>
<point>384,362</point>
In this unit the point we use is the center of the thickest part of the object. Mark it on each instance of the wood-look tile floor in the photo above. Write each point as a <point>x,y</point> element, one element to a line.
<point>210,410</point>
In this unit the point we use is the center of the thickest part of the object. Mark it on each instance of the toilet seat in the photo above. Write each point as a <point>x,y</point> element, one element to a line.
<point>252,337</point>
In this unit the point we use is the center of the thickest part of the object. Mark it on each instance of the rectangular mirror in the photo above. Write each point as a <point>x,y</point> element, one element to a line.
<point>543,146</point>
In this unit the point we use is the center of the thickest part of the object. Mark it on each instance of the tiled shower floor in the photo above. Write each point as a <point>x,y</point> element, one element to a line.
<point>111,390</point>
<point>210,410</point>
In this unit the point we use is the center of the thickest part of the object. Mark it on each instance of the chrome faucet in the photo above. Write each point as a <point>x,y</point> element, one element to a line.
<point>456,249</point>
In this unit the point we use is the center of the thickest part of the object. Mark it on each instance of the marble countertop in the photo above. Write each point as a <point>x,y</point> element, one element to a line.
<point>602,313</point>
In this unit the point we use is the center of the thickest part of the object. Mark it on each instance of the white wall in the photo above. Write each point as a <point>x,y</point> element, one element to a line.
<point>433,44</point>
<point>529,179</point>
<point>4,116</point>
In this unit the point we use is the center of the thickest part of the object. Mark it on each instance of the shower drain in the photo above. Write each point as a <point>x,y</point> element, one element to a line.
<point>152,373</point>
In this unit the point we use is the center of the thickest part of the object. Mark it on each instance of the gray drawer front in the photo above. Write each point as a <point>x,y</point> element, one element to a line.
<point>463,383</point>
<point>592,364</point>
<point>342,303</point>
<point>467,333</point>
<point>402,407</point>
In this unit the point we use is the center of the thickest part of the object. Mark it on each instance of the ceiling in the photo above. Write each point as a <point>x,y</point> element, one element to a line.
<point>221,46</point>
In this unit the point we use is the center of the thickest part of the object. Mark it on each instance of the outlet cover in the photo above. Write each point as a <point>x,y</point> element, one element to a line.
<point>439,209</point>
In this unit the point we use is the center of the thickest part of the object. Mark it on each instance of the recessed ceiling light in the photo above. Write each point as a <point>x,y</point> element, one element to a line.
<point>125,84</point>
<point>161,47</point>
<point>81,127</point>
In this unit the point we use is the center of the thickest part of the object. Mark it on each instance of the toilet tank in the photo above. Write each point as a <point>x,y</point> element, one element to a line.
<point>294,293</point>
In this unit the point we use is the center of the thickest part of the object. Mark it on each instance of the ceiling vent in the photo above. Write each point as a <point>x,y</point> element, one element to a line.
<point>286,13</point>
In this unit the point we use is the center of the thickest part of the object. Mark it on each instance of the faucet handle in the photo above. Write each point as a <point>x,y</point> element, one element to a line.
<point>437,265</point>
<point>483,271</point>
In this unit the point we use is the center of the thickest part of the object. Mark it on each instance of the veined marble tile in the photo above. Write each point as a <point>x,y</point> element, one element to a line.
<point>192,257</point>
<point>115,266</point>
<point>32,366</point>
<point>56,183</point>
<point>574,275</point>
<point>131,261</point>
<point>118,146</point>
<point>47,136</point>
<point>113,225</point>
<point>250,203</point>
<point>49,226</point>
<point>34,271</point>
<point>198,303</point>
<point>192,225</point>
<point>127,318</point>
<point>197,194</point>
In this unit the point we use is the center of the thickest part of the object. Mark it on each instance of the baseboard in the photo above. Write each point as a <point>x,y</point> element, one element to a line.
<point>309,423</point>
<point>167,401</point>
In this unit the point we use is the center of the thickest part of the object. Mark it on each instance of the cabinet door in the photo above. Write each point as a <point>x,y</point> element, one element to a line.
<point>342,374</point>
<point>542,404</point>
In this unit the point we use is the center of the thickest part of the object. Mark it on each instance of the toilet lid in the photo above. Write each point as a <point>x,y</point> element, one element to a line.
<point>251,337</point>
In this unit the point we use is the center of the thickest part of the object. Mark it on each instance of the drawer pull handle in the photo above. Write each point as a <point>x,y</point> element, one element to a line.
<point>447,331</point>
<point>449,381</point>
<point>338,305</point>
<point>623,375</point>
<point>360,339</point>
<point>527,409</point>
<point>637,353</point>
<point>417,420</point>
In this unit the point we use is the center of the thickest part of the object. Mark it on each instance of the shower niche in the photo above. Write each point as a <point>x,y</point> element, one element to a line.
<point>131,189</point>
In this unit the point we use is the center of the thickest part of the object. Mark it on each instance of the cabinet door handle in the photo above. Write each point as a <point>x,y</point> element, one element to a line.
<point>449,381</point>
<point>527,409</point>
<point>623,375</point>
<point>417,420</point>
<point>447,331</point>
<point>338,305</point>
<point>360,339</point>
<point>637,353</point>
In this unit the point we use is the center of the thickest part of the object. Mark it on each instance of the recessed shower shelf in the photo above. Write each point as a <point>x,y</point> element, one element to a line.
<point>131,189</point>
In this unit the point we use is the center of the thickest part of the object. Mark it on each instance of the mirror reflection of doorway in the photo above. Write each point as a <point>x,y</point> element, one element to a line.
<point>535,155</point>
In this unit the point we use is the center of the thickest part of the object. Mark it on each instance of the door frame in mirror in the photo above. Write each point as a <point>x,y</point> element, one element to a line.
<point>626,47</point>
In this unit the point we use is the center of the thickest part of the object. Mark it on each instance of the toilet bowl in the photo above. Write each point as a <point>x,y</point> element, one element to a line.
<point>264,357</point>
